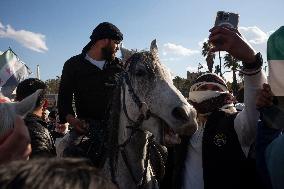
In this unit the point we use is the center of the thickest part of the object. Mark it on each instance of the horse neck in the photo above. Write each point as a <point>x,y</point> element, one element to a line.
<point>132,111</point>
<point>135,149</point>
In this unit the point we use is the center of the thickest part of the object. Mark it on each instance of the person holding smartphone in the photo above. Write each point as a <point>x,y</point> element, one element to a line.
<point>216,155</point>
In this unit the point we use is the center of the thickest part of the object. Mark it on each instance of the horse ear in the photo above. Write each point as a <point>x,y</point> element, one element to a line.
<point>125,53</point>
<point>28,104</point>
<point>154,47</point>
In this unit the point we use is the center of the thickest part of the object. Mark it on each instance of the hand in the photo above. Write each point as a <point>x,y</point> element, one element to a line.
<point>17,145</point>
<point>232,42</point>
<point>264,97</point>
<point>78,125</point>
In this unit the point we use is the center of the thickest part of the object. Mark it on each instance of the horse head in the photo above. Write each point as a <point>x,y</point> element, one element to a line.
<point>149,108</point>
<point>151,93</point>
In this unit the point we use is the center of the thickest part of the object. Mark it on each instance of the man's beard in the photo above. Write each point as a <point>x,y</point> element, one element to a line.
<point>108,54</point>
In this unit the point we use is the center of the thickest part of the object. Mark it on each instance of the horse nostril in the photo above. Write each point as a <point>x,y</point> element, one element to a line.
<point>180,114</point>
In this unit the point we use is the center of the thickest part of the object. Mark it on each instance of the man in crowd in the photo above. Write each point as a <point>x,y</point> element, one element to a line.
<point>41,140</point>
<point>215,156</point>
<point>90,78</point>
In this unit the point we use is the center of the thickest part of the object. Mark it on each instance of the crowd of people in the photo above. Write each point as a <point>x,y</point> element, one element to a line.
<point>236,145</point>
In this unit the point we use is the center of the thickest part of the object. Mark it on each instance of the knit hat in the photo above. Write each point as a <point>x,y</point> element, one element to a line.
<point>209,78</point>
<point>275,58</point>
<point>104,30</point>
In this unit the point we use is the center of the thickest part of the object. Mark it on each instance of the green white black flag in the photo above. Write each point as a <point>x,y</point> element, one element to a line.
<point>275,58</point>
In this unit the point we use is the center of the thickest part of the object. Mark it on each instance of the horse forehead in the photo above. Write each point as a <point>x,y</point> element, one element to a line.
<point>150,62</point>
<point>143,58</point>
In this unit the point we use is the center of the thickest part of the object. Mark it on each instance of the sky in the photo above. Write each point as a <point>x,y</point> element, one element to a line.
<point>47,33</point>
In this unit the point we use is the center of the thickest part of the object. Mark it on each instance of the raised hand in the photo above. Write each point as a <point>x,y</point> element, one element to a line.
<point>264,97</point>
<point>231,41</point>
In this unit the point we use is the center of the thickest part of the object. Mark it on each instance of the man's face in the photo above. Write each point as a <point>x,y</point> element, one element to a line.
<point>108,52</point>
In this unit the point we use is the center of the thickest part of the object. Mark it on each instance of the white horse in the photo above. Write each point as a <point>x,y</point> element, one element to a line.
<point>146,107</point>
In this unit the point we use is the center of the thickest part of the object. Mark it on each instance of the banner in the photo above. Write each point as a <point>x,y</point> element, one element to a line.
<point>12,72</point>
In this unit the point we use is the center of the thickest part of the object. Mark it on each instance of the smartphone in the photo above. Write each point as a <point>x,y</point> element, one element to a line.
<point>227,19</point>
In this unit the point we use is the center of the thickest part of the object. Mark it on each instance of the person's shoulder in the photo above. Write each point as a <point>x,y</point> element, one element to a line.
<point>73,63</point>
<point>75,59</point>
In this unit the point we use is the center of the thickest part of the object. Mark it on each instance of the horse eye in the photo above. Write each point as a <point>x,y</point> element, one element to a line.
<point>140,72</point>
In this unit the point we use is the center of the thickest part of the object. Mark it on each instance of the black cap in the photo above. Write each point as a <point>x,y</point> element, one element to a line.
<point>104,30</point>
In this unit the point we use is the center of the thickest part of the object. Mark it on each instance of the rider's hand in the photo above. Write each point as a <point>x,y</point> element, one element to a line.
<point>231,41</point>
<point>264,97</point>
<point>78,125</point>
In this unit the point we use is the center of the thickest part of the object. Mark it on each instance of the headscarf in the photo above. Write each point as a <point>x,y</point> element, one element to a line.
<point>208,101</point>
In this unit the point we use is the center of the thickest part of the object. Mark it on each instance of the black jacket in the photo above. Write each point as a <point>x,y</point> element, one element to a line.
<point>91,86</point>
<point>41,140</point>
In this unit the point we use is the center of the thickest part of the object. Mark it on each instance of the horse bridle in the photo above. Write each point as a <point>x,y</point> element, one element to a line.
<point>135,127</point>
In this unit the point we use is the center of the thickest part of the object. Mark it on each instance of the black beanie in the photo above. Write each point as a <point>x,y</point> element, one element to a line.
<point>104,30</point>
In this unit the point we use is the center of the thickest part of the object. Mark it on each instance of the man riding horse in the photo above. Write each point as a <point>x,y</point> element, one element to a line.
<point>90,78</point>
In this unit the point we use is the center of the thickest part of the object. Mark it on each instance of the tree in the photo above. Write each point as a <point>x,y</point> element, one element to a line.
<point>183,85</point>
<point>209,56</point>
<point>53,85</point>
<point>232,64</point>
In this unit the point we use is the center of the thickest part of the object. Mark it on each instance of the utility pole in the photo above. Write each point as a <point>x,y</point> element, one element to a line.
<point>220,68</point>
